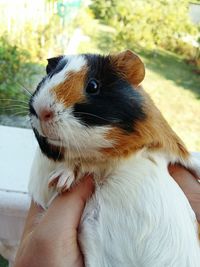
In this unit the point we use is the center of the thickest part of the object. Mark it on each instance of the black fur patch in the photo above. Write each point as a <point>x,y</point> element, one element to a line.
<point>51,151</point>
<point>52,63</point>
<point>117,102</point>
<point>31,108</point>
<point>56,66</point>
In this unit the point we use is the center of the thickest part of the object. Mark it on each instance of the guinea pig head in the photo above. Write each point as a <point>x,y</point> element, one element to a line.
<point>90,105</point>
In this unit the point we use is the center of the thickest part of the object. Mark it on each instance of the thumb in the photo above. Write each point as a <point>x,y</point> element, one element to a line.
<point>69,206</point>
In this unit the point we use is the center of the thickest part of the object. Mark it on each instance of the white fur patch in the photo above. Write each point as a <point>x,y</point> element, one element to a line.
<point>38,185</point>
<point>75,63</point>
<point>80,139</point>
<point>45,97</point>
<point>138,215</point>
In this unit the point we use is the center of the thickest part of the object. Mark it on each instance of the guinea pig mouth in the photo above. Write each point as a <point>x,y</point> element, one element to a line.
<point>55,142</point>
<point>53,139</point>
<point>49,132</point>
<point>52,149</point>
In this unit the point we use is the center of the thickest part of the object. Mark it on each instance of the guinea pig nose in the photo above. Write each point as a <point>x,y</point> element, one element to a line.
<point>46,114</point>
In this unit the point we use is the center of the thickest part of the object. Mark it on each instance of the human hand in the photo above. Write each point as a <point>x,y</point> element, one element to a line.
<point>50,239</point>
<point>189,184</point>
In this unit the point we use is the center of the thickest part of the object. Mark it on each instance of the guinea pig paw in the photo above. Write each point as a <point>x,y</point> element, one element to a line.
<point>61,179</point>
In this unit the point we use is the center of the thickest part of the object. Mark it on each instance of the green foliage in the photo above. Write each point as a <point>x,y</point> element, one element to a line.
<point>43,40</point>
<point>11,61</point>
<point>16,72</point>
<point>146,23</point>
<point>3,262</point>
<point>47,36</point>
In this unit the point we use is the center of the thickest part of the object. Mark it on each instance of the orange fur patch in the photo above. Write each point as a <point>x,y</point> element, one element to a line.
<point>71,90</point>
<point>152,133</point>
<point>129,65</point>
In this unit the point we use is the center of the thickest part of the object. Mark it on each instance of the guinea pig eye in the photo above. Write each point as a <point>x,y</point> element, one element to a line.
<point>92,87</point>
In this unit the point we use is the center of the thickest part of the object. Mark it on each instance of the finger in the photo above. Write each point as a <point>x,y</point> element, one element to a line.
<point>72,203</point>
<point>29,227</point>
<point>31,220</point>
<point>186,180</point>
<point>189,185</point>
<point>176,167</point>
<point>66,209</point>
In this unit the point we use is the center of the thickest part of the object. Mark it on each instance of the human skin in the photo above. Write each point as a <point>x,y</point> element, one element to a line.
<point>189,184</point>
<point>51,239</point>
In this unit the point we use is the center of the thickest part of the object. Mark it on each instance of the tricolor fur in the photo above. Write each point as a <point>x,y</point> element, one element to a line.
<point>90,115</point>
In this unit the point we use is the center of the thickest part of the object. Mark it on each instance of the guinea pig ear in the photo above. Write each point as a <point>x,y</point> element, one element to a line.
<point>130,66</point>
<point>52,63</point>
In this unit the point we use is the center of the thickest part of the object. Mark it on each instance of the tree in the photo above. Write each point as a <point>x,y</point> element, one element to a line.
<point>146,23</point>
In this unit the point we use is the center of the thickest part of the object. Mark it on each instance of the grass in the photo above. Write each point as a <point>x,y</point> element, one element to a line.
<point>3,262</point>
<point>175,89</point>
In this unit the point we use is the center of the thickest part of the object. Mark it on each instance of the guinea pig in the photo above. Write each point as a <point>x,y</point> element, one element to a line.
<point>90,115</point>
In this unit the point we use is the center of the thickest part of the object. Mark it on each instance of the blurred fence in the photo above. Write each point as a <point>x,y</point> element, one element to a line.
<point>14,15</point>
<point>22,20</point>
<point>38,25</point>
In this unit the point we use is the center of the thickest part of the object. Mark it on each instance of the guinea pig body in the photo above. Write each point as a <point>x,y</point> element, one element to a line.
<point>90,115</point>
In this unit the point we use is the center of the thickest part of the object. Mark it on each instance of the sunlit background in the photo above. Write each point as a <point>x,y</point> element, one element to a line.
<point>165,33</point>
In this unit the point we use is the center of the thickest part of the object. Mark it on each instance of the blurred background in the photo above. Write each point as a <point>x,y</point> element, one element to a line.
<point>165,33</point>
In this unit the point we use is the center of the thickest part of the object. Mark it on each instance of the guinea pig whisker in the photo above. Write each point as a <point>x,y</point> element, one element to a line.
<point>96,116</point>
<point>70,136</point>
<point>20,113</point>
<point>25,89</point>
<point>13,100</point>
<point>15,106</point>
<point>60,149</point>
<point>62,130</point>
<point>60,144</point>
<point>14,109</point>
<point>77,147</point>
<point>74,141</point>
